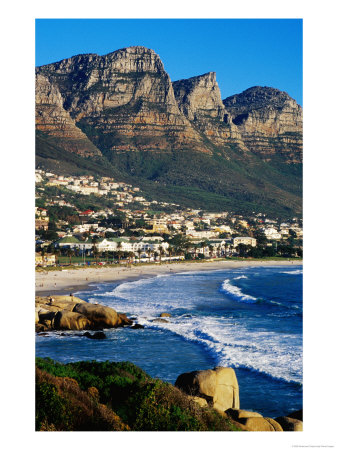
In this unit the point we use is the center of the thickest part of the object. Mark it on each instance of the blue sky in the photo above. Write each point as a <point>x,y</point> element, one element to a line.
<point>242,52</point>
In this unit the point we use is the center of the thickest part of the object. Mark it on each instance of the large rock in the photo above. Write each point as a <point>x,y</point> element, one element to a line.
<point>260,424</point>
<point>67,320</point>
<point>296,415</point>
<point>122,320</point>
<point>45,315</point>
<point>160,320</point>
<point>66,312</point>
<point>218,386</point>
<point>237,414</point>
<point>290,424</point>
<point>98,315</point>
<point>57,302</point>
<point>200,401</point>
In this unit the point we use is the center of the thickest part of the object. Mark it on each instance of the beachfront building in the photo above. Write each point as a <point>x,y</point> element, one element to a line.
<point>48,259</point>
<point>134,246</point>
<point>68,241</point>
<point>217,247</point>
<point>246,240</point>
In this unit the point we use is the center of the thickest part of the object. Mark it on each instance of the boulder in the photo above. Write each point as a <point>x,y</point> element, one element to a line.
<point>39,327</point>
<point>99,316</point>
<point>45,315</point>
<point>260,424</point>
<point>296,415</point>
<point>160,320</point>
<point>123,320</point>
<point>200,401</point>
<point>165,315</point>
<point>218,386</point>
<point>68,299</point>
<point>237,414</point>
<point>68,320</point>
<point>97,335</point>
<point>57,302</point>
<point>290,424</point>
<point>137,326</point>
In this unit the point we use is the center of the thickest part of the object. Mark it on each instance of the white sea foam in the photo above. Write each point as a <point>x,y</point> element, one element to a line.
<point>229,341</point>
<point>236,292</point>
<point>232,345</point>
<point>293,272</point>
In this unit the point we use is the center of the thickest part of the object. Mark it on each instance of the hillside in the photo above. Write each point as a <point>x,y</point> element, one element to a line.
<point>120,114</point>
<point>108,396</point>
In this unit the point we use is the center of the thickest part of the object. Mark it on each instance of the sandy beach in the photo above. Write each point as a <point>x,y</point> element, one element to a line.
<point>70,280</point>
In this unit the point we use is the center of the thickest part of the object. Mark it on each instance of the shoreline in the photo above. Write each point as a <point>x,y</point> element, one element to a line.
<point>72,280</point>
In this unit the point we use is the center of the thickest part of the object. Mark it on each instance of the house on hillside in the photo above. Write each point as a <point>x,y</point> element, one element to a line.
<point>246,240</point>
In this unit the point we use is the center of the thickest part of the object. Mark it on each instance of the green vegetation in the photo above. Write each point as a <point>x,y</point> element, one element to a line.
<point>115,396</point>
<point>226,180</point>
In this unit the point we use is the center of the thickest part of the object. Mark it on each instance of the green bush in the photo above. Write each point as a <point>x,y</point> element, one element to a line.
<point>140,402</point>
<point>51,409</point>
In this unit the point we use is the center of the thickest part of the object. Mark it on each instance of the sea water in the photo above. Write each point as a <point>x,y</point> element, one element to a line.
<point>247,318</point>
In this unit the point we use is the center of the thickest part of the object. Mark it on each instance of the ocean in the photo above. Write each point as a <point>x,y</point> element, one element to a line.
<point>247,318</point>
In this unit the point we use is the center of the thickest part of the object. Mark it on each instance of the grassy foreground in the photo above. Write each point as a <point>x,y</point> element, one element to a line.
<point>115,396</point>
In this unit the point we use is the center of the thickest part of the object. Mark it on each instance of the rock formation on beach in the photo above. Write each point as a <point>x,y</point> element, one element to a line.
<point>212,390</point>
<point>108,396</point>
<point>218,388</point>
<point>63,312</point>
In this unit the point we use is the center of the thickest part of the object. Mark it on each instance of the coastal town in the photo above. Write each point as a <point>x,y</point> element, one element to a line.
<point>85,220</point>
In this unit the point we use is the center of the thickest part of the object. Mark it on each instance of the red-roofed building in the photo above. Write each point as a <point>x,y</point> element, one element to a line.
<point>87,213</point>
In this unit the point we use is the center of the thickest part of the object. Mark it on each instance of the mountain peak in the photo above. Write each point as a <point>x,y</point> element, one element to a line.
<point>259,97</point>
<point>199,95</point>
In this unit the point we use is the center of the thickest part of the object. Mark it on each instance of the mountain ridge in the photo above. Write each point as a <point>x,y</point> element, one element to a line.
<point>122,108</point>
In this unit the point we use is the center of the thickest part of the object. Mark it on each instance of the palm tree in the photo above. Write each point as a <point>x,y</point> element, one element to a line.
<point>57,253</point>
<point>204,245</point>
<point>195,247</point>
<point>149,252</point>
<point>170,251</point>
<point>119,253</point>
<point>70,253</point>
<point>139,252</point>
<point>130,255</point>
<point>96,253</point>
<point>211,249</point>
<point>161,252</point>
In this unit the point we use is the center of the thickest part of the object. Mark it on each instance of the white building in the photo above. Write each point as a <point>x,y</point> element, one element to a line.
<point>201,234</point>
<point>272,233</point>
<point>246,240</point>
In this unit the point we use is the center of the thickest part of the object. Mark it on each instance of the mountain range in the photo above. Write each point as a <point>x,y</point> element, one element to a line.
<point>121,115</point>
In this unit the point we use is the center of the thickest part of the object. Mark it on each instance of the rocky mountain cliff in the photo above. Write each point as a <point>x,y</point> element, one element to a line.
<point>269,121</point>
<point>52,118</point>
<point>199,99</point>
<point>124,100</point>
<point>122,108</point>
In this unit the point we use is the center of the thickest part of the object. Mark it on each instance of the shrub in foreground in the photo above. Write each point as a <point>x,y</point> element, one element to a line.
<point>115,396</point>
